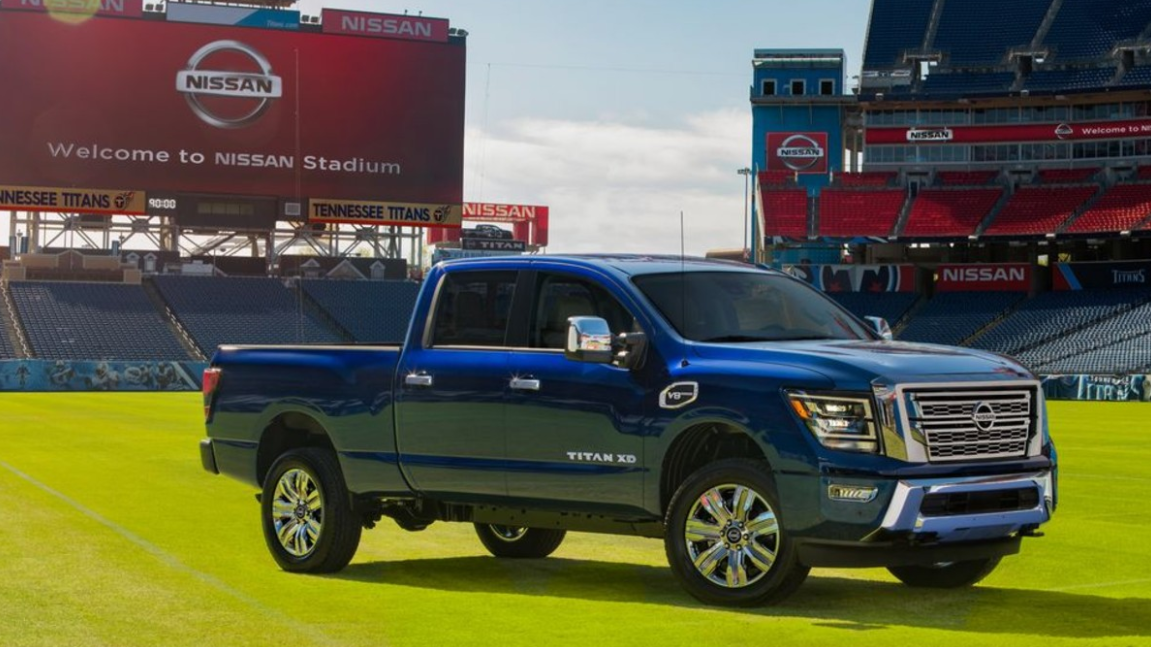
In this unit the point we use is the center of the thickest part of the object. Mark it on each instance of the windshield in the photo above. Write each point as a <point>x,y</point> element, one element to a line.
<point>746,307</point>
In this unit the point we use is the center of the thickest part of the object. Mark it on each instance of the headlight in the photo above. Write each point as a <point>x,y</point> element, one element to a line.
<point>837,421</point>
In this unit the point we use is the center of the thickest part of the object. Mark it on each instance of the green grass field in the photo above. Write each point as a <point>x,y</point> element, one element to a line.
<point>112,534</point>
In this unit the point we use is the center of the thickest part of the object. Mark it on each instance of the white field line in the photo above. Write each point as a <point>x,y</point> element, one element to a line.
<point>170,560</point>
<point>1099,585</point>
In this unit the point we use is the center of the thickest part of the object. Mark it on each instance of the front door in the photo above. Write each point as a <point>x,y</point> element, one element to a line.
<point>574,430</point>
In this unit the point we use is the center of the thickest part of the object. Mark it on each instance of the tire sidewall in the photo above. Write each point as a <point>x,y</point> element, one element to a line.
<point>779,581</point>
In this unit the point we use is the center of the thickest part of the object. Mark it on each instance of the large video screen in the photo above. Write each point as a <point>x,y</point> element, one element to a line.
<point>149,105</point>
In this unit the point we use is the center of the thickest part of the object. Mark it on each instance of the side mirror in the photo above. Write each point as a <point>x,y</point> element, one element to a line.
<point>881,327</point>
<point>589,340</point>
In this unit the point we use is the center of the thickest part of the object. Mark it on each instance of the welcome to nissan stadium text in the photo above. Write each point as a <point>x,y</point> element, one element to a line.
<point>231,159</point>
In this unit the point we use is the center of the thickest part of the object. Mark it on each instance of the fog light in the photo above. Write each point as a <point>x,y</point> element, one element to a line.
<point>856,493</point>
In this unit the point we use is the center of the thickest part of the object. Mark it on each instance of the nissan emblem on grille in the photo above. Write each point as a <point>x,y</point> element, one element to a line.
<point>983,416</point>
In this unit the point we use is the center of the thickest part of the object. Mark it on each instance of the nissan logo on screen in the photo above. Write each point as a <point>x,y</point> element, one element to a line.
<point>221,95</point>
<point>799,152</point>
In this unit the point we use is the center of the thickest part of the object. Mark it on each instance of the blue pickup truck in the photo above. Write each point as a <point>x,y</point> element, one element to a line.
<point>739,415</point>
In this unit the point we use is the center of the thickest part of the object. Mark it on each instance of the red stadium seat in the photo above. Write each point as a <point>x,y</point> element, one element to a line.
<point>785,212</point>
<point>867,179</point>
<point>859,212</point>
<point>1038,210</point>
<point>966,178</point>
<point>949,212</point>
<point>1120,209</point>
<point>1066,175</point>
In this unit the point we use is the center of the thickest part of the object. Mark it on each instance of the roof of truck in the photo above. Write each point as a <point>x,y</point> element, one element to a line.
<point>627,264</point>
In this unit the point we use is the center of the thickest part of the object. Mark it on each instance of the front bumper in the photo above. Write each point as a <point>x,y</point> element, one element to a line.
<point>933,520</point>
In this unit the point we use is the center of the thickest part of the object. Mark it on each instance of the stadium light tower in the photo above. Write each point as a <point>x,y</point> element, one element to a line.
<point>746,173</point>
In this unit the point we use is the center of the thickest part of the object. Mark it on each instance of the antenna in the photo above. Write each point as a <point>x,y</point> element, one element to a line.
<point>682,289</point>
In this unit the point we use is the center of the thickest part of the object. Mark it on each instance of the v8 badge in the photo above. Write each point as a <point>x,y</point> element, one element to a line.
<point>679,395</point>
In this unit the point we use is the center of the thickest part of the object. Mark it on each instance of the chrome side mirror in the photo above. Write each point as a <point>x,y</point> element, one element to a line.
<point>881,327</point>
<point>589,340</point>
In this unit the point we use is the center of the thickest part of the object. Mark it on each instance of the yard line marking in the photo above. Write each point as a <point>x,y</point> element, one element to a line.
<point>1108,477</point>
<point>1099,585</point>
<point>167,558</point>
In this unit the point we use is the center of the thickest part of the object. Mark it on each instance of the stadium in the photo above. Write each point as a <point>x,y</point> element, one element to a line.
<point>981,178</point>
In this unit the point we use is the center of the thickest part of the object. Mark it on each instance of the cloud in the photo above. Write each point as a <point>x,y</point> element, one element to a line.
<point>615,187</point>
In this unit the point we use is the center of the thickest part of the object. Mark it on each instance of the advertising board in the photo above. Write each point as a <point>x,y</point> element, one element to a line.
<point>358,23</point>
<point>1120,129</point>
<point>1102,275</point>
<point>797,152</point>
<point>1000,277</point>
<point>1106,388</point>
<point>34,198</point>
<point>238,16</point>
<point>189,108</point>
<point>857,278</point>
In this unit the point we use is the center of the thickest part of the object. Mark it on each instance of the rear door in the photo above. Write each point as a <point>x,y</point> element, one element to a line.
<point>452,389</point>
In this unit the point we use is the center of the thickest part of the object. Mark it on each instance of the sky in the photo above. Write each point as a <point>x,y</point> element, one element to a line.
<point>620,115</point>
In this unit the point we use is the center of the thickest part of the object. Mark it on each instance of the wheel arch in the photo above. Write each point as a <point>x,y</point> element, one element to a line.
<point>286,431</point>
<point>702,443</point>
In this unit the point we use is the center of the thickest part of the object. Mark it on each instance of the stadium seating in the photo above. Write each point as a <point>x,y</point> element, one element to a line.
<point>240,310</point>
<point>961,84</point>
<point>1071,351</point>
<point>1144,173</point>
<point>1066,80</point>
<point>951,317</point>
<point>975,32</point>
<point>1126,356</point>
<point>949,212</point>
<point>1137,76</point>
<point>965,178</point>
<point>93,321</point>
<point>785,212</point>
<point>859,212</point>
<point>1120,209</point>
<point>895,25</point>
<point>372,311</point>
<point>776,178</point>
<point>867,179</point>
<point>1088,29</point>
<point>892,306</point>
<point>1066,175</point>
<point>1037,210</point>
<point>6,349</point>
<point>1052,314</point>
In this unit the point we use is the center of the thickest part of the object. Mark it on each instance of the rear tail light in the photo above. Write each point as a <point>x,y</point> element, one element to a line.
<point>211,381</point>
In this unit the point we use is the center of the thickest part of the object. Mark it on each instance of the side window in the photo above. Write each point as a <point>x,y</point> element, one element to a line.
<point>473,309</point>
<point>559,297</point>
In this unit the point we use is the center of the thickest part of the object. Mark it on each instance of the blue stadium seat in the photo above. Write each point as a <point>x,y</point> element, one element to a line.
<point>93,321</point>
<point>966,84</point>
<point>372,311</point>
<point>1054,314</point>
<point>951,317</point>
<point>1088,29</point>
<point>895,26</point>
<point>980,32</point>
<point>1062,80</point>
<point>238,310</point>
<point>892,306</point>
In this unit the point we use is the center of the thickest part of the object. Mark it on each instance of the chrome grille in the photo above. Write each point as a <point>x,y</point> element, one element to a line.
<point>968,425</point>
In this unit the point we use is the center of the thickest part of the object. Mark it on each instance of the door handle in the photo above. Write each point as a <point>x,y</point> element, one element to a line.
<point>418,379</point>
<point>525,384</point>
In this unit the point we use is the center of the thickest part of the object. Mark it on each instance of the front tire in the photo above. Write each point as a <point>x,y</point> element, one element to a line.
<point>519,543</point>
<point>307,517</point>
<point>952,575</point>
<point>725,540</point>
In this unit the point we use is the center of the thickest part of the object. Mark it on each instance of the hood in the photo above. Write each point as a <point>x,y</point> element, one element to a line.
<point>858,364</point>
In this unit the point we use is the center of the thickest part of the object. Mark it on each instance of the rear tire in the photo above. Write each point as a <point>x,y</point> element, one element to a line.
<point>519,543</point>
<point>306,514</point>
<point>952,575</point>
<point>725,540</point>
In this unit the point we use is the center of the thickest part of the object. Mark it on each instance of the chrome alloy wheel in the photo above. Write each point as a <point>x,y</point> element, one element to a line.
<point>298,512</point>
<point>732,536</point>
<point>508,533</point>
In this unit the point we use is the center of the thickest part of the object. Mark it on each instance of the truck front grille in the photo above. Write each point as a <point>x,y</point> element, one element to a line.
<point>970,425</point>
